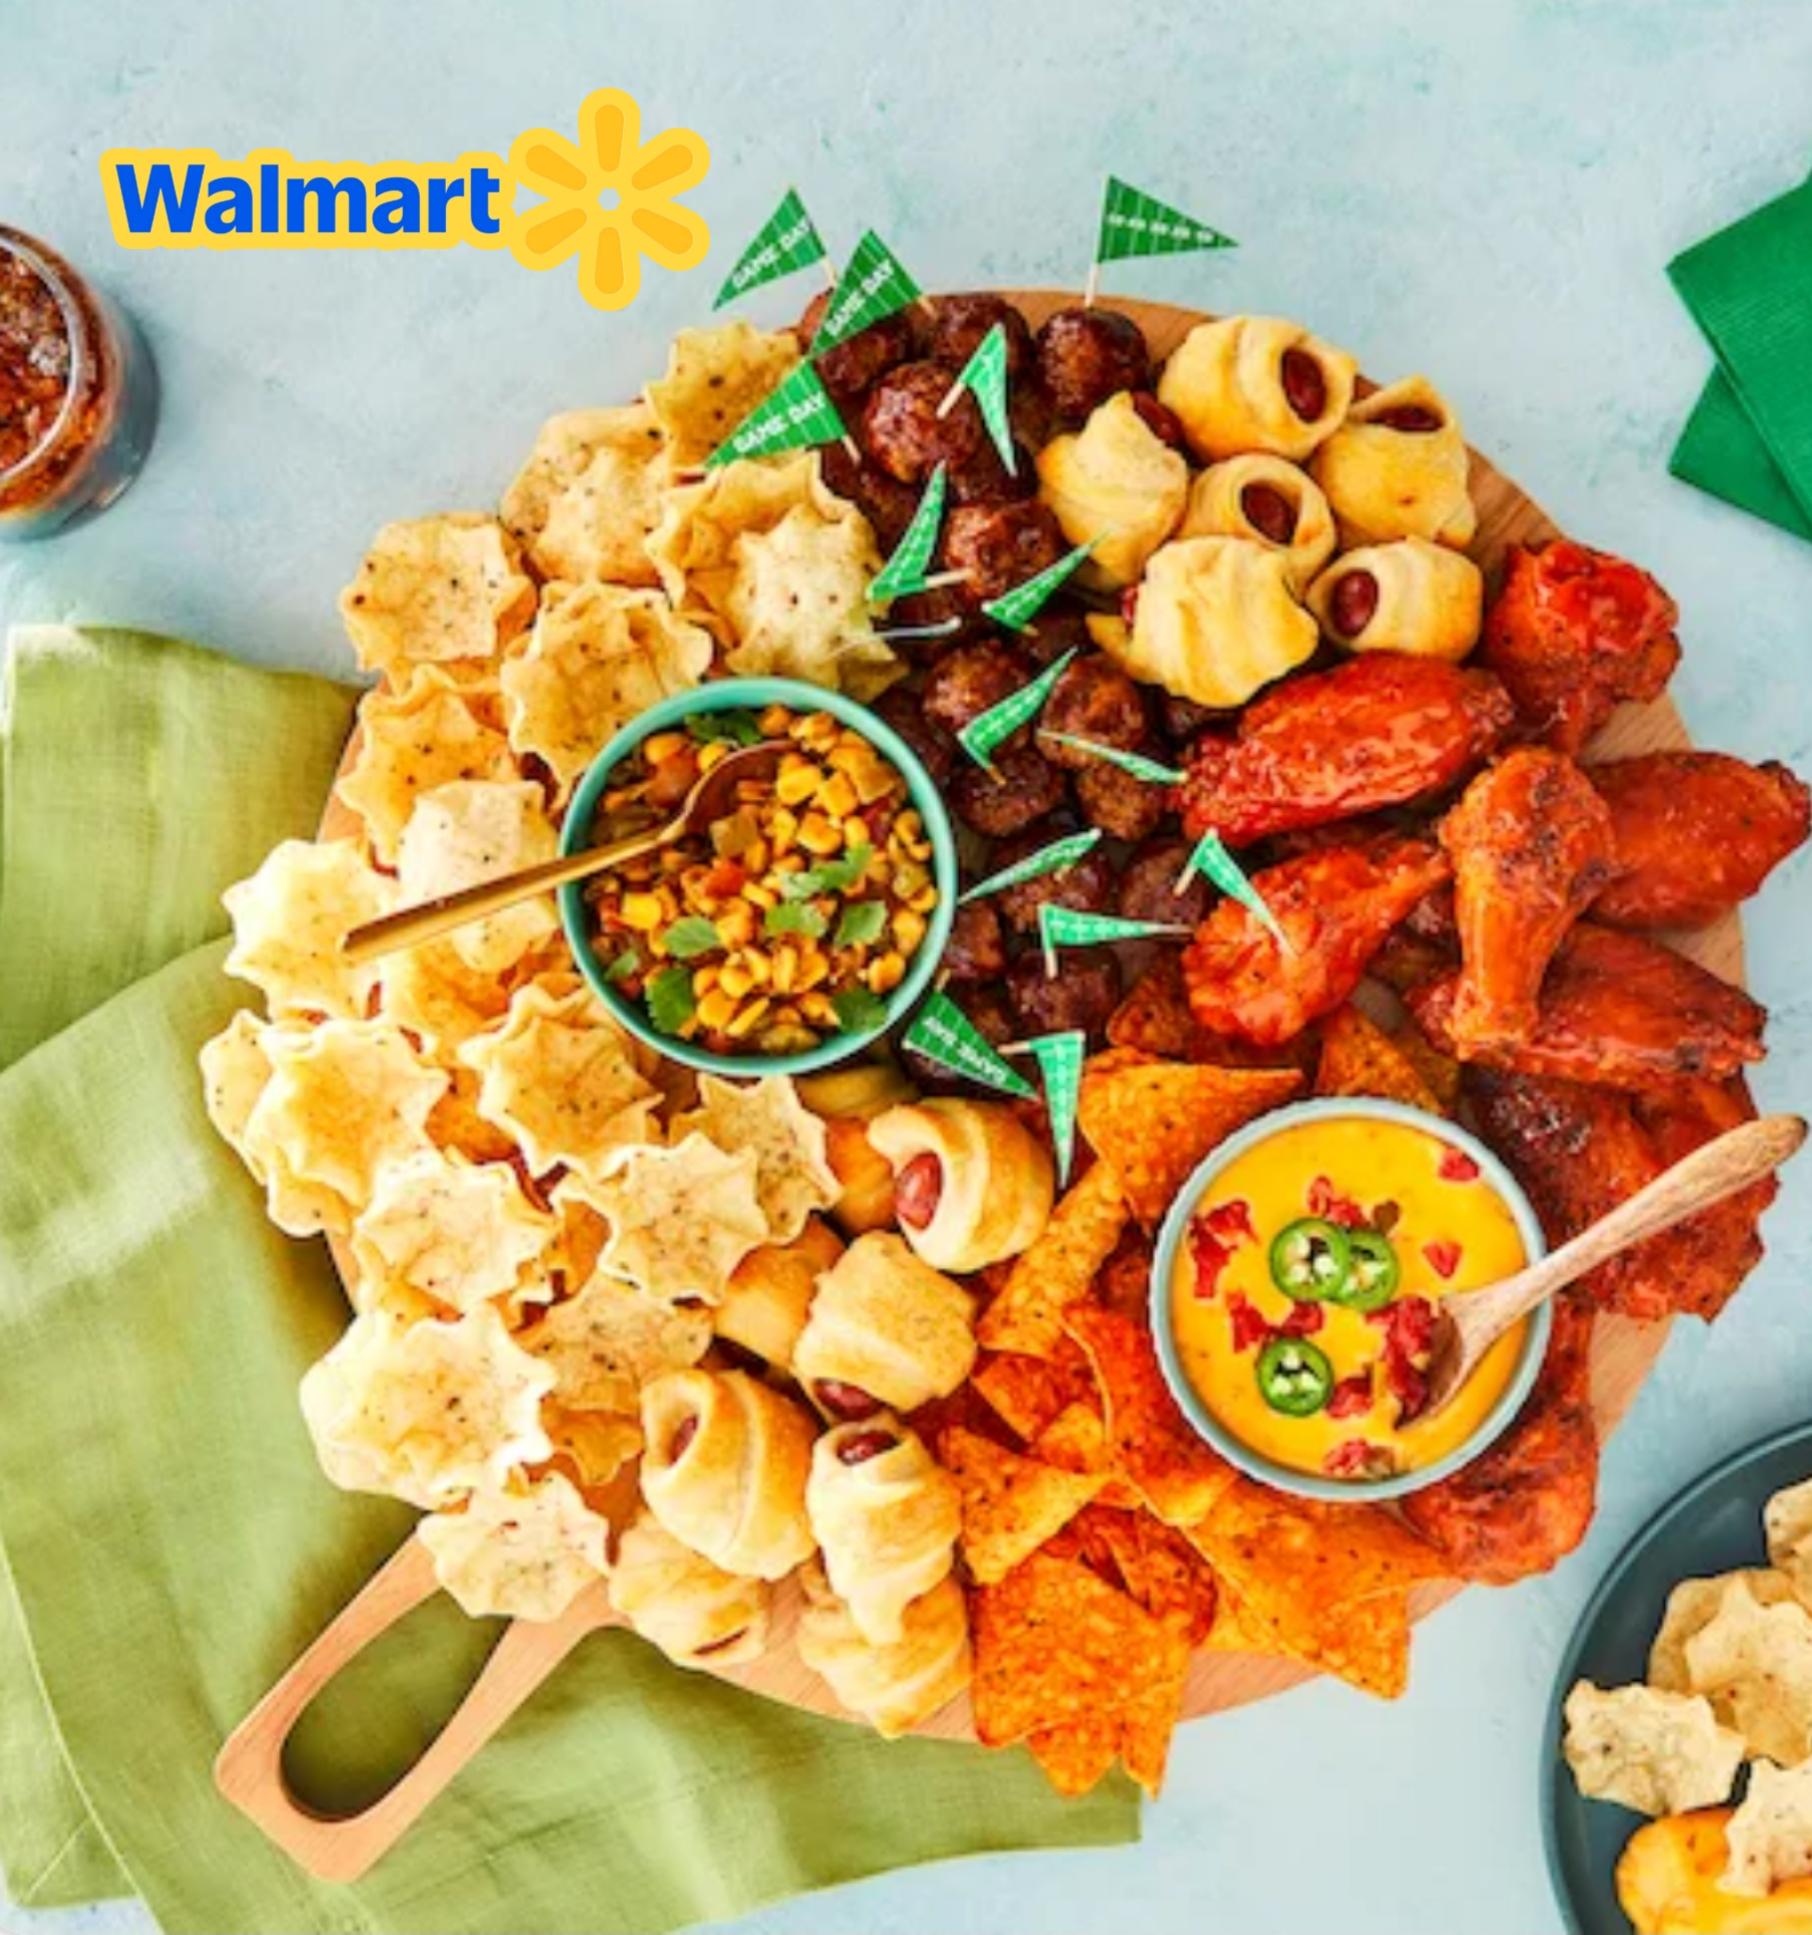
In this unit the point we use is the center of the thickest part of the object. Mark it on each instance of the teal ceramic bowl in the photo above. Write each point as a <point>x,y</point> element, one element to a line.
<point>731,695</point>
<point>1175,1232</point>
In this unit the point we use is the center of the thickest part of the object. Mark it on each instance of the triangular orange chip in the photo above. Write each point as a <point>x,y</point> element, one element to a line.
<point>1359,1058</point>
<point>1076,1755</point>
<point>1011,1505</point>
<point>1029,1392</point>
<point>1027,1315</point>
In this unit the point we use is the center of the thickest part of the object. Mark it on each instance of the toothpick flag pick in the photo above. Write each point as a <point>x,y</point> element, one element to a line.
<point>1074,927</point>
<point>872,288</point>
<point>1059,1060</point>
<point>1135,223</point>
<point>1212,860</point>
<point>797,413</point>
<point>988,729</point>
<point>1016,609</point>
<point>904,573</point>
<point>1149,770</point>
<point>942,629</point>
<point>985,377</point>
<point>1052,859</point>
<point>786,241</point>
<point>944,1034</point>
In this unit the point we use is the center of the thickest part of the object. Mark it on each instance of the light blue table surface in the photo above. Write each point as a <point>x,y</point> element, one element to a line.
<point>1487,192</point>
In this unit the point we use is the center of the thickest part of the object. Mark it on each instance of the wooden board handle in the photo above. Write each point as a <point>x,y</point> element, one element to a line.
<point>249,1770</point>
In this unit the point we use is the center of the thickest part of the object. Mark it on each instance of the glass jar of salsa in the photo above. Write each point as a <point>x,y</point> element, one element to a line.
<point>78,393</point>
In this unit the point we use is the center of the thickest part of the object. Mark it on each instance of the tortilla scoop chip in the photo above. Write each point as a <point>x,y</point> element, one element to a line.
<point>1027,1315</point>
<point>583,504</point>
<point>1150,1441</point>
<point>470,831</point>
<point>1755,1663</point>
<point>433,589</point>
<point>1770,1834</point>
<point>1010,1504</point>
<point>524,1554</point>
<point>1659,1753</point>
<point>290,917</point>
<point>1155,1121</point>
<point>714,378</point>
<point>1787,1521</point>
<point>1359,1058</point>
<point>1055,1645</point>
<point>1030,1393</point>
<point>1691,1606</point>
<point>797,604</point>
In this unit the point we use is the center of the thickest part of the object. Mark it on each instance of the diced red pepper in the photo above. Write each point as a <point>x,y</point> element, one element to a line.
<point>1408,1325</point>
<point>1351,1397</point>
<point>1213,1237</point>
<point>726,879</point>
<point>1231,1221</point>
<point>1249,1326</point>
<point>1357,1459</point>
<point>1406,1384</point>
<point>1304,1320</point>
<point>1324,1201</point>
<point>1443,1258</point>
<point>1457,1166</point>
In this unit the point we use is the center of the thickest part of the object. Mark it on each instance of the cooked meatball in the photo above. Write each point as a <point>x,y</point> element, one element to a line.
<point>1086,884</point>
<point>1087,355</point>
<point>961,321</point>
<point>976,950</point>
<point>1024,787</point>
<point>964,683</point>
<point>1148,885</point>
<point>853,368</point>
<point>1182,719</point>
<point>981,477</point>
<point>1126,807</point>
<point>905,712</point>
<point>1092,699</point>
<point>1059,628</point>
<point>994,1021</point>
<point>884,501</point>
<point>1001,545</point>
<point>942,614</point>
<point>903,433</point>
<point>1083,992</point>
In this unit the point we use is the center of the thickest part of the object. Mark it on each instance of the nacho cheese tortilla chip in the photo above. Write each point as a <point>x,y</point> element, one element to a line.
<point>1359,1058</point>
<point>1010,1504</point>
<point>1027,1315</point>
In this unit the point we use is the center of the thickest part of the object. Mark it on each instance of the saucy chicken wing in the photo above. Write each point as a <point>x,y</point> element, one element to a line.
<point>1525,1502</point>
<point>1573,633</point>
<point>1335,905</point>
<point>1530,843</point>
<point>1696,833</point>
<point>1377,731</point>
<point>1616,1009</point>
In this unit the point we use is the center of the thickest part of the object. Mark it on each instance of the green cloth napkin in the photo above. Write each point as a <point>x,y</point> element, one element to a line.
<point>169,1540</point>
<point>1749,288</point>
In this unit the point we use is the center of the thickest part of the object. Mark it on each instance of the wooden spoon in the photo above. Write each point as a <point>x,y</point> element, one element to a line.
<point>1467,1326</point>
<point>413,925</point>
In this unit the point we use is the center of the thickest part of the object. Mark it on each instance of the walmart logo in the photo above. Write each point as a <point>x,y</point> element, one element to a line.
<point>606,199</point>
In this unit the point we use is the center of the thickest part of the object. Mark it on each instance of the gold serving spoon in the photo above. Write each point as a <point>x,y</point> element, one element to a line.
<point>1467,1326</point>
<point>710,795</point>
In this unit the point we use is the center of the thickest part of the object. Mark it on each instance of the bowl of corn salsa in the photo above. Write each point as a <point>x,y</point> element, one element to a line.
<point>804,922</point>
<point>1295,1285</point>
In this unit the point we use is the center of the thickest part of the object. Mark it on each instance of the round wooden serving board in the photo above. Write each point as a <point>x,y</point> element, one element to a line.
<point>249,1769</point>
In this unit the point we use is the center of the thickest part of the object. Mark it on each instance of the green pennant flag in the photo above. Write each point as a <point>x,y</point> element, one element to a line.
<point>988,729</point>
<point>1150,770</point>
<point>797,413</point>
<point>1052,859</point>
<point>786,241</point>
<point>1016,609</point>
<point>942,1033</point>
<point>1212,860</point>
<point>984,376</point>
<point>1074,927</point>
<point>872,288</point>
<point>1059,1060</point>
<point>1135,223</point>
<point>905,572</point>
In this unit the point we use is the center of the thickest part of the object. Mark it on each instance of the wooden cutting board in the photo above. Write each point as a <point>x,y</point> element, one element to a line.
<point>249,1770</point>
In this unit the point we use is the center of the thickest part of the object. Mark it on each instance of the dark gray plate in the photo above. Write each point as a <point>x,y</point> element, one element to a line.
<point>1715,1525</point>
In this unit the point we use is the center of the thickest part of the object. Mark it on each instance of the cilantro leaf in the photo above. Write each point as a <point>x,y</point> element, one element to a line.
<point>736,724</point>
<point>628,963</point>
<point>833,877</point>
<point>863,921</point>
<point>669,998</point>
<point>691,935</point>
<point>858,1011</point>
<point>794,917</point>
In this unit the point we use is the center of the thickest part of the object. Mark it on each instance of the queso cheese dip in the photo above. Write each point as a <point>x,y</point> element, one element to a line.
<point>1303,1294</point>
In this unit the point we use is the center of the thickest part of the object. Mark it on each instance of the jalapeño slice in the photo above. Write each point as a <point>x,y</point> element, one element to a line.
<point>1294,1376</point>
<point>1372,1272</point>
<point>1310,1259</point>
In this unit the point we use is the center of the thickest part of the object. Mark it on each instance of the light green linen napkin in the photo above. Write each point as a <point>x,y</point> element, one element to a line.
<point>173,1546</point>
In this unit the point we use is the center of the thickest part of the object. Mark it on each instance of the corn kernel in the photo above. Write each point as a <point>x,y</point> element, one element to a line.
<point>818,835</point>
<point>736,924</point>
<point>785,972</point>
<point>886,974</point>
<point>735,980</point>
<point>642,912</point>
<point>783,829</point>
<point>813,969</point>
<point>795,787</point>
<point>748,1017</point>
<point>837,797</point>
<point>704,979</point>
<point>818,1009</point>
<point>659,747</point>
<point>715,1010</point>
<point>712,753</point>
<point>774,720</point>
<point>756,965</point>
<point>923,901</point>
<point>908,930</point>
<point>758,894</point>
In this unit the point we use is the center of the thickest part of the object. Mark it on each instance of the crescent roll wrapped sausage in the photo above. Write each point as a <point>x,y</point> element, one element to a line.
<point>1269,500</point>
<point>1115,480</point>
<point>885,1330</point>
<point>724,1468</point>
<point>972,1184</point>
<point>1215,621</point>
<point>695,1612</point>
<point>1408,596</point>
<point>1397,467</point>
<point>764,1303</point>
<point>892,1687</point>
<point>885,1515</point>
<point>1256,383</point>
